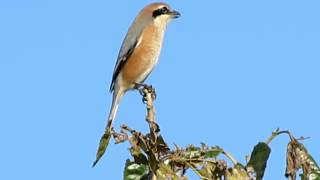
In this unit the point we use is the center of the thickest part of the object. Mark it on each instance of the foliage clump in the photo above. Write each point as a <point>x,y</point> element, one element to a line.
<point>152,159</point>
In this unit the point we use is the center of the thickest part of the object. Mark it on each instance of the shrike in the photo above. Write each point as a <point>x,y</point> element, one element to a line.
<point>138,54</point>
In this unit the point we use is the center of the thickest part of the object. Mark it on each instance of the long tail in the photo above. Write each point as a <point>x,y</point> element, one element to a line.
<point>104,141</point>
<point>117,96</point>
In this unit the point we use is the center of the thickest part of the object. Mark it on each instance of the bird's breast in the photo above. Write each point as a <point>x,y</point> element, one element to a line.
<point>144,57</point>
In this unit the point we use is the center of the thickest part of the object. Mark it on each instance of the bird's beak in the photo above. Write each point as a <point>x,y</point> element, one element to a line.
<point>174,14</point>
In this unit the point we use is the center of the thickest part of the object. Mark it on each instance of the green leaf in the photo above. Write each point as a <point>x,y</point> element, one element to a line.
<point>133,171</point>
<point>104,141</point>
<point>314,175</point>
<point>212,153</point>
<point>192,154</point>
<point>259,158</point>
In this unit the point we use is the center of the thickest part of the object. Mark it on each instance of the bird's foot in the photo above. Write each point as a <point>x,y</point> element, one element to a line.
<point>144,89</point>
<point>140,87</point>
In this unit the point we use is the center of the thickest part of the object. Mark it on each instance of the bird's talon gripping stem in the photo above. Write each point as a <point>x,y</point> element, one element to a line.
<point>140,87</point>
<point>144,89</point>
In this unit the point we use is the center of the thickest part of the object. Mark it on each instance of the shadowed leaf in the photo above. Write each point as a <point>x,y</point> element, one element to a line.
<point>161,145</point>
<point>138,156</point>
<point>259,158</point>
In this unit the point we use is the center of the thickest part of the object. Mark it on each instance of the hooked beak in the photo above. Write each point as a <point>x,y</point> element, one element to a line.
<point>174,14</point>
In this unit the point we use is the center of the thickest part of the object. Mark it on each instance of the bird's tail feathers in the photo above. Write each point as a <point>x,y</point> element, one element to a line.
<point>117,96</point>
<point>104,140</point>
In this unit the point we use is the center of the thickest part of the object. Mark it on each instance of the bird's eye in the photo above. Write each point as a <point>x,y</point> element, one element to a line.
<point>164,10</point>
<point>161,11</point>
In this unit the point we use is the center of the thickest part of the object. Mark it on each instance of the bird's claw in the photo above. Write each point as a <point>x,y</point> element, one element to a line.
<point>144,89</point>
<point>139,86</point>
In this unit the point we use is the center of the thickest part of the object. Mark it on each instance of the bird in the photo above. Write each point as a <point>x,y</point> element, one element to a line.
<point>138,55</point>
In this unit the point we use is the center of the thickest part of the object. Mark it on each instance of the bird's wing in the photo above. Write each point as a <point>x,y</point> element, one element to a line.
<point>128,46</point>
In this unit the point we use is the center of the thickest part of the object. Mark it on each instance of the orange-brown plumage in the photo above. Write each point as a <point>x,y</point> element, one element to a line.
<point>144,57</point>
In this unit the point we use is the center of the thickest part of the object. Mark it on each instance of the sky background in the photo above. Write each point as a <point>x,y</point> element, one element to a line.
<point>230,73</point>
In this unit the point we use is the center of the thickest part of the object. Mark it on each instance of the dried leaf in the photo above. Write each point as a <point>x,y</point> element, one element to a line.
<point>208,170</point>
<point>165,172</point>
<point>298,157</point>
<point>237,173</point>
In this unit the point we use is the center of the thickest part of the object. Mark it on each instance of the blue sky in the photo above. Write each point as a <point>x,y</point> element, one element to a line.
<point>230,73</point>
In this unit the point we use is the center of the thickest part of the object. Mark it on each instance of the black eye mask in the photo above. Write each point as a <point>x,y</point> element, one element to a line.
<point>160,12</point>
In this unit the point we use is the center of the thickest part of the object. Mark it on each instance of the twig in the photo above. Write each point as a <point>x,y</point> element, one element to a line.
<point>277,132</point>
<point>149,95</point>
<point>229,156</point>
<point>120,137</point>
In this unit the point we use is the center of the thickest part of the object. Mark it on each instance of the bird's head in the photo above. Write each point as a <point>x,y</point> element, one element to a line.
<point>158,13</point>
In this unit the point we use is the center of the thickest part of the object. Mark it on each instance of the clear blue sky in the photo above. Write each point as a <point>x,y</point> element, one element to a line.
<point>240,69</point>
